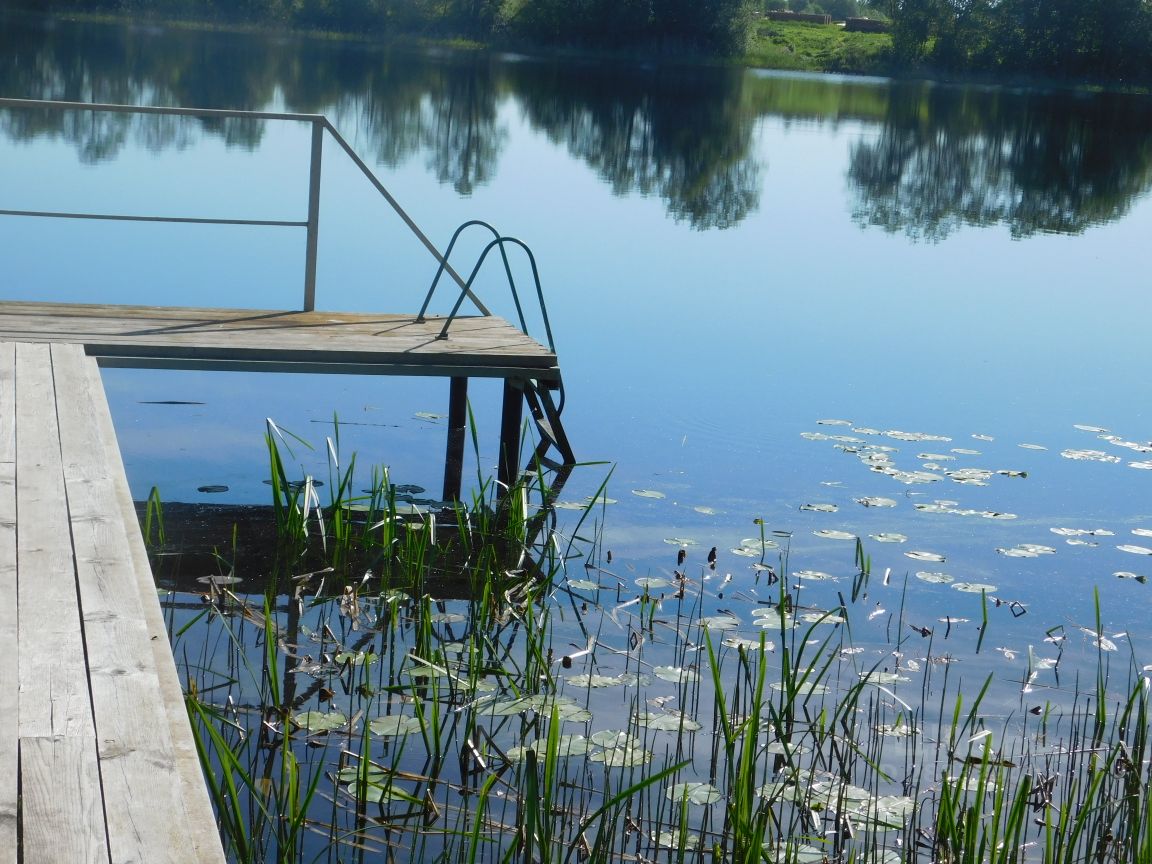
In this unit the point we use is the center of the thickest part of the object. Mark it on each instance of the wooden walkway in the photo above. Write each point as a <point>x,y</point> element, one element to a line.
<point>270,340</point>
<point>263,340</point>
<point>97,762</point>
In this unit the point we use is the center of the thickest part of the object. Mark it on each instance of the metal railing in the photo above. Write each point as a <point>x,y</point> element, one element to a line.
<point>311,223</point>
<point>499,241</point>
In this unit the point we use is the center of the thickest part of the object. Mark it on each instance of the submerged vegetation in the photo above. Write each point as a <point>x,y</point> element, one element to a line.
<point>487,683</point>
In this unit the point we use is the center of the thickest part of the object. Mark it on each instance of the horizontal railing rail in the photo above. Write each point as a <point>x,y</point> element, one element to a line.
<point>320,125</point>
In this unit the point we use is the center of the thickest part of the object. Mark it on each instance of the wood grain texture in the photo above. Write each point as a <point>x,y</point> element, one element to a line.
<point>134,653</point>
<point>63,819</point>
<point>53,692</point>
<point>275,336</point>
<point>147,817</point>
<point>9,644</point>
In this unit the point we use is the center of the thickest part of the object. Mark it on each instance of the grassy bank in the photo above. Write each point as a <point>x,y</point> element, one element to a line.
<point>802,47</point>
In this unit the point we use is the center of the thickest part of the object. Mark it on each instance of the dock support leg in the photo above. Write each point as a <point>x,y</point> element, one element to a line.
<point>457,427</point>
<point>510,420</point>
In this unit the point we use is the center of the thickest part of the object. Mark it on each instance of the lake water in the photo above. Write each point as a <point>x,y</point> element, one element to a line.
<point>729,257</point>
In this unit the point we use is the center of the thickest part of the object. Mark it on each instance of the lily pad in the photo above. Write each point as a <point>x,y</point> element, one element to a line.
<point>667,722</point>
<point>676,674</point>
<point>648,493</point>
<point>920,555</point>
<point>974,587</point>
<point>394,725</point>
<point>320,721</point>
<point>889,537</point>
<point>832,534</point>
<point>694,793</point>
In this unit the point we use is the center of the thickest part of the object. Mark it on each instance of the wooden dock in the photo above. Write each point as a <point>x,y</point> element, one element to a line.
<point>97,760</point>
<point>265,340</point>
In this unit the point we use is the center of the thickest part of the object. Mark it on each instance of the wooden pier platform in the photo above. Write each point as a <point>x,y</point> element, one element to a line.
<point>262,340</point>
<point>97,761</point>
<point>285,341</point>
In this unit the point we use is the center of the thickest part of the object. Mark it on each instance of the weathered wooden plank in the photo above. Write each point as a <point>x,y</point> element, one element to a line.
<point>270,335</point>
<point>9,645</point>
<point>158,805</point>
<point>62,819</point>
<point>146,813</point>
<point>53,693</point>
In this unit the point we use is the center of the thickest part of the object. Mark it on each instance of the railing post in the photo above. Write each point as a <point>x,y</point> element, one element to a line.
<point>313,215</point>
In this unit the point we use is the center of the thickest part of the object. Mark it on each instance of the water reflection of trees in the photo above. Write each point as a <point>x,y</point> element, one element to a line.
<point>942,157</point>
<point>1035,162</point>
<point>684,135</point>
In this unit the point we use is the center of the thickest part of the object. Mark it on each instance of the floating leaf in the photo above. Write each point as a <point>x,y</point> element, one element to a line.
<point>813,576</point>
<point>676,674</point>
<point>1142,532</point>
<point>920,555</point>
<point>583,585</point>
<point>748,644</point>
<point>1083,428</point>
<point>1032,446</point>
<point>804,688</point>
<point>720,622</point>
<point>622,757</point>
<point>833,422</point>
<point>653,583</point>
<point>897,730</point>
<point>212,489</point>
<point>320,721</point>
<point>394,725</point>
<point>667,722</point>
<point>593,680</point>
<point>1128,574</point>
<point>934,577</point>
<point>1089,456</point>
<point>680,541</point>
<point>686,841</point>
<point>566,745</point>
<point>831,534</point>
<point>707,511</point>
<point>648,493</point>
<point>889,537</point>
<point>876,501</point>
<point>694,793</point>
<point>974,587</point>
<point>820,508</point>
<point>1135,550</point>
<point>791,852</point>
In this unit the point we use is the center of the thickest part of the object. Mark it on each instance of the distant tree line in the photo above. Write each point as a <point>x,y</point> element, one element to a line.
<point>1101,40</point>
<point>1104,40</point>
<point>704,26</point>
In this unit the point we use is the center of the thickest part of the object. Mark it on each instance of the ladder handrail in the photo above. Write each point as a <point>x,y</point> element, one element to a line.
<point>499,241</point>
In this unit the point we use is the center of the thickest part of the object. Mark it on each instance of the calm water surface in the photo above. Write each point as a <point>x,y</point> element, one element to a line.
<point>729,257</point>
